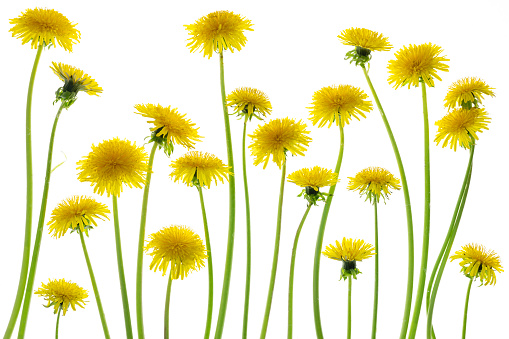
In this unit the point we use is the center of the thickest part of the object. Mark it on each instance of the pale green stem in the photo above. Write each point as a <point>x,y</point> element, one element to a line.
<point>349,325</point>
<point>58,322</point>
<point>464,333</point>
<point>375,295</point>
<point>167,310</point>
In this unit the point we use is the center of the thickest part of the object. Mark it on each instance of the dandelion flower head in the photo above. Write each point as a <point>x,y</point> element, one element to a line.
<point>60,293</point>
<point>364,38</point>
<point>349,251</point>
<point>315,177</point>
<point>74,81</point>
<point>467,90</point>
<point>197,168</point>
<point>374,182</point>
<point>250,101</point>
<point>476,261</point>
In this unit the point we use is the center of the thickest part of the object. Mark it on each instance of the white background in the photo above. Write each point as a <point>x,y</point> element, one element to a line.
<point>137,53</point>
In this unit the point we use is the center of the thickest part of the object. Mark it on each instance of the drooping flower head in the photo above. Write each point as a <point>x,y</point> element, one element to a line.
<point>374,182</point>
<point>218,31</point>
<point>199,169</point>
<point>60,293</point>
<point>249,101</point>
<point>178,247</point>
<point>338,104</point>
<point>45,27</point>
<point>364,41</point>
<point>76,213</point>
<point>460,126</point>
<point>417,62</point>
<point>477,262</point>
<point>312,179</point>
<point>349,251</point>
<point>170,127</point>
<point>113,163</point>
<point>276,138</point>
<point>467,92</point>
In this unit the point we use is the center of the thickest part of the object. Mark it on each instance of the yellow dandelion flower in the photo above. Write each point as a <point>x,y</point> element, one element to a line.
<point>250,101</point>
<point>74,81</point>
<point>315,177</point>
<point>113,163</point>
<point>197,168</point>
<point>218,31</point>
<point>276,138</point>
<point>467,90</point>
<point>460,126</point>
<point>45,27</point>
<point>76,213</point>
<point>178,247</point>
<point>349,251</point>
<point>417,62</point>
<point>338,103</point>
<point>374,182</point>
<point>476,261</point>
<point>364,38</point>
<point>61,293</point>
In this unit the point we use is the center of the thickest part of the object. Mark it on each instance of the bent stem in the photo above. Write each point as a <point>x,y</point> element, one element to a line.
<point>464,333</point>
<point>167,310</point>
<point>349,325</point>
<point>58,322</point>
<point>375,296</point>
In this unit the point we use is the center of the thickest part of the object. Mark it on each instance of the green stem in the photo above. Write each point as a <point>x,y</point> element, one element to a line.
<point>29,199</point>
<point>464,333</point>
<point>292,271</point>
<point>141,243</point>
<point>231,218</point>
<point>58,322</point>
<point>38,236</point>
<point>121,275</point>
<point>410,277</point>
<point>209,263</point>
<point>167,310</point>
<point>94,286</point>
<point>375,296</point>
<point>276,254</point>
<point>319,241</point>
<point>349,325</point>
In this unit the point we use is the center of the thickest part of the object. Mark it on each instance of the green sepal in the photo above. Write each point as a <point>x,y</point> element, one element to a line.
<point>162,142</point>
<point>312,199</point>
<point>359,55</point>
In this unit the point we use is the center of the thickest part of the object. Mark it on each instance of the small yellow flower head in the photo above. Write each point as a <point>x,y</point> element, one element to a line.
<point>113,163</point>
<point>276,138</point>
<point>76,213</point>
<point>312,179</point>
<point>45,27</point>
<point>199,169</point>
<point>467,92</point>
<point>374,182</point>
<point>417,62</point>
<point>178,247</point>
<point>364,41</point>
<point>338,103</point>
<point>349,251</point>
<point>461,125</point>
<point>218,31</point>
<point>60,293</point>
<point>249,101</point>
<point>477,262</point>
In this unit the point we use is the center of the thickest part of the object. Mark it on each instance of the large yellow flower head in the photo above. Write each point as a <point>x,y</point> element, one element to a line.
<point>349,251</point>
<point>45,27</point>
<point>178,247</point>
<point>276,138</point>
<point>249,101</point>
<point>364,38</point>
<point>461,125</point>
<point>417,62</point>
<point>76,213</point>
<point>476,261</point>
<point>113,163</point>
<point>312,179</point>
<point>467,92</point>
<point>61,293</point>
<point>218,31</point>
<point>199,169</point>
<point>338,104</point>
<point>374,182</point>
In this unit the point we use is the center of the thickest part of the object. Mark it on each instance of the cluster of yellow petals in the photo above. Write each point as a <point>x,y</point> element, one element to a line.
<point>75,80</point>
<point>252,99</point>
<point>476,261</point>
<point>349,250</point>
<point>63,293</point>
<point>204,167</point>
<point>374,182</point>
<point>315,177</point>
<point>365,38</point>
<point>465,90</point>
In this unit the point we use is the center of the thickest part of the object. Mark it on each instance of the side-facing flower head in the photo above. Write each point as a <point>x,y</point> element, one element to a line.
<point>365,41</point>
<point>113,163</point>
<point>417,62</point>
<point>249,101</point>
<point>60,293</point>
<point>338,104</point>
<point>178,247</point>
<point>199,169</point>
<point>349,251</point>
<point>218,31</point>
<point>276,138</point>
<point>467,92</point>
<point>76,213</point>
<point>461,125</point>
<point>476,261</point>
<point>374,182</point>
<point>312,179</point>
<point>45,27</point>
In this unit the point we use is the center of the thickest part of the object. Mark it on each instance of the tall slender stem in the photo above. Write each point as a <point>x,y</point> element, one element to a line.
<point>276,254</point>
<point>94,286</point>
<point>141,242</point>
<point>319,241</point>
<point>167,310</point>
<point>29,199</point>
<point>58,322</point>
<point>349,325</point>
<point>464,333</point>
<point>375,295</point>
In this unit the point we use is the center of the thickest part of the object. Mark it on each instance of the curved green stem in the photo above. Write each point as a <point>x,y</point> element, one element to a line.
<point>276,254</point>
<point>375,295</point>
<point>94,286</point>
<point>464,333</point>
<point>319,241</point>
<point>29,199</point>
<point>292,272</point>
<point>349,325</point>
<point>58,322</point>
<point>167,310</point>
<point>141,242</point>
